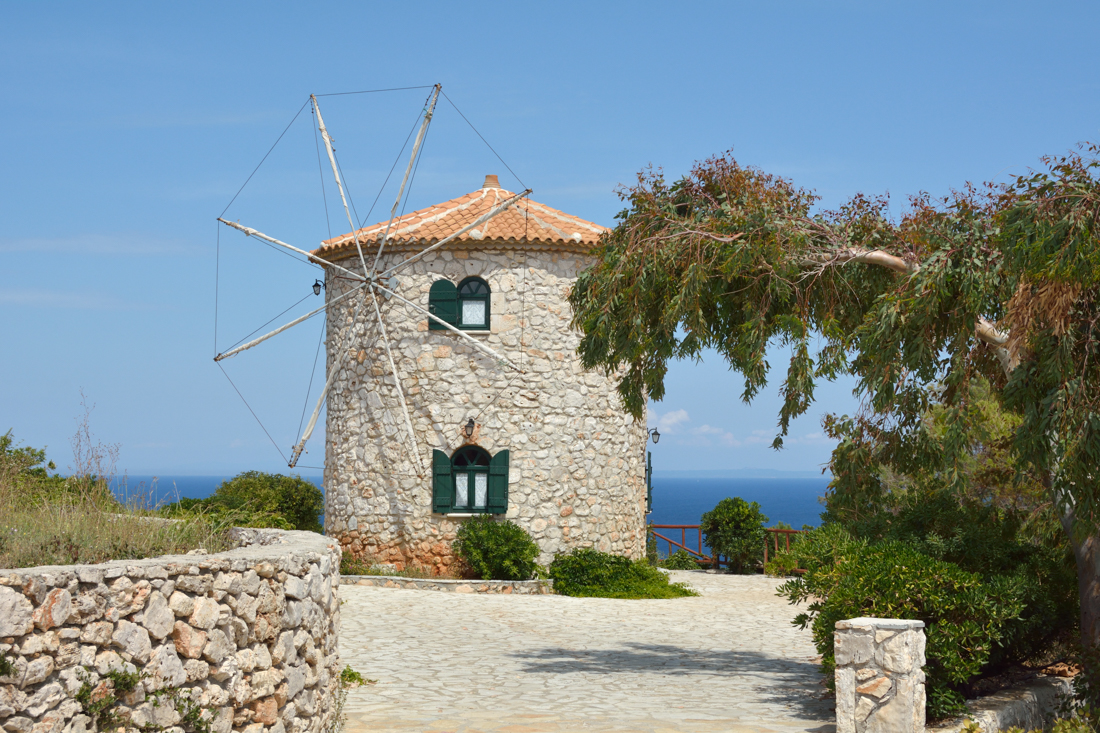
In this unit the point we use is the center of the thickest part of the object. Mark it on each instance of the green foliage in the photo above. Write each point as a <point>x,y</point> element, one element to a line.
<point>100,700</point>
<point>651,555</point>
<point>350,678</point>
<point>589,573</point>
<point>46,519</point>
<point>966,616</point>
<point>25,472</point>
<point>352,565</point>
<point>735,529</point>
<point>998,522</point>
<point>1086,684</point>
<point>257,499</point>
<point>680,560</point>
<point>994,287</point>
<point>7,669</point>
<point>496,550</point>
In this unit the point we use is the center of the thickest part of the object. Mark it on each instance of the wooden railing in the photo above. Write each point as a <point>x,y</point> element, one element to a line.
<point>770,540</point>
<point>697,554</point>
<point>775,532</point>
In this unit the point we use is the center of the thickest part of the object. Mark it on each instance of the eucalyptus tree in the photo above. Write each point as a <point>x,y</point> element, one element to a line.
<point>996,281</point>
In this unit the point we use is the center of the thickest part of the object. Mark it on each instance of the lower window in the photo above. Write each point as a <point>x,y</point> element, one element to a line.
<point>470,481</point>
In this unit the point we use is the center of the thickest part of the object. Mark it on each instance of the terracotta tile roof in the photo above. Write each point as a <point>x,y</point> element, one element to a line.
<point>526,223</point>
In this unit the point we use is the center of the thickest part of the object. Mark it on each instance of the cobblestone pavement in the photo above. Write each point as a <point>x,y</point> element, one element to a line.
<point>728,660</point>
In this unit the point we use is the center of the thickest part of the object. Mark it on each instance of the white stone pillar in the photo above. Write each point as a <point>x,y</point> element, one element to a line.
<point>879,681</point>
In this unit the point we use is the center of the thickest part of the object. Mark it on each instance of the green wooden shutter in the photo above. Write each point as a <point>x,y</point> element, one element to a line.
<point>443,303</point>
<point>648,482</point>
<point>443,487</point>
<point>498,484</point>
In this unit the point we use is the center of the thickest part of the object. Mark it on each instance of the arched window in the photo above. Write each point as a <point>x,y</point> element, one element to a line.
<point>465,306</point>
<point>470,481</point>
<point>473,303</point>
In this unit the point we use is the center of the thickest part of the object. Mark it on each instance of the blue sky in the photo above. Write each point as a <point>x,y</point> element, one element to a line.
<point>127,128</point>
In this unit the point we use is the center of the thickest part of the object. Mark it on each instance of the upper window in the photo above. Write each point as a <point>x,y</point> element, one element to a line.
<point>465,306</point>
<point>473,300</point>
<point>470,481</point>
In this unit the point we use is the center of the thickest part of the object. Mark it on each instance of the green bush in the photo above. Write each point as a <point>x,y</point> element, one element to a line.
<point>257,499</point>
<point>735,529</point>
<point>593,574</point>
<point>495,550</point>
<point>965,615</point>
<point>680,560</point>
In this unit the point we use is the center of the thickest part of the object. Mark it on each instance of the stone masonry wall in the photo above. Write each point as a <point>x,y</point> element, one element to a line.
<point>879,677</point>
<point>248,635</point>
<point>577,471</point>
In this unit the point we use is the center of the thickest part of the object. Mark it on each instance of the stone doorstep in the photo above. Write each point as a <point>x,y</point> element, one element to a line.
<point>448,585</point>
<point>1029,705</point>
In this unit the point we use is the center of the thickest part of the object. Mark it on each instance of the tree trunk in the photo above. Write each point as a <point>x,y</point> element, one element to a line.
<point>1086,552</point>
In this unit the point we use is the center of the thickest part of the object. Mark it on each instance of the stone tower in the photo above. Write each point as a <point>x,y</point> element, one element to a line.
<point>549,447</point>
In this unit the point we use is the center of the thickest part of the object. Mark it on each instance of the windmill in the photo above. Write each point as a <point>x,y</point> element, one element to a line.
<point>370,284</point>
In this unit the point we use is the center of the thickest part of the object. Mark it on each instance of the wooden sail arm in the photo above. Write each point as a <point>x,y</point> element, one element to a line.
<point>249,231</point>
<point>280,329</point>
<point>428,113</point>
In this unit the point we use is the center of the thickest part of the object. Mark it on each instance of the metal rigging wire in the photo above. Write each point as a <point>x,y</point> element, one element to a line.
<point>263,159</point>
<point>483,139</point>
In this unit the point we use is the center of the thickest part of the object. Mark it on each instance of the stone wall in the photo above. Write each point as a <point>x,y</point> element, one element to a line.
<point>577,469</point>
<point>504,587</point>
<point>249,636</point>
<point>879,681</point>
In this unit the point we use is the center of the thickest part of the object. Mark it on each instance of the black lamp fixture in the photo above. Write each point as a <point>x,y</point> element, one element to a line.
<point>468,428</point>
<point>317,285</point>
<point>654,434</point>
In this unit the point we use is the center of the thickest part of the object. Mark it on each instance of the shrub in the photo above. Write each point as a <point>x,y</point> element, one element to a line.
<point>298,501</point>
<point>593,574</point>
<point>735,528</point>
<point>257,499</point>
<point>965,615</point>
<point>680,560</point>
<point>46,519</point>
<point>496,550</point>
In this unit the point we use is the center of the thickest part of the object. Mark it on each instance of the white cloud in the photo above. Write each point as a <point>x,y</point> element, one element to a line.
<point>670,421</point>
<point>724,437</point>
<point>65,299</point>
<point>99,244</point>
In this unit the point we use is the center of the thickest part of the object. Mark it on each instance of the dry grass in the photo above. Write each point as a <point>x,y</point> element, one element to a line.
<point>50,520</point>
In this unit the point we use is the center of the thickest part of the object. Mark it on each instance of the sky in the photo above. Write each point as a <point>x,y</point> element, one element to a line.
<point>127,128</point>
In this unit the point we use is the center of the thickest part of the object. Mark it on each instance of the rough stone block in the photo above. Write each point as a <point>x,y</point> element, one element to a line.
<point>188,641</point>
<point>853,648</point>
<point>217,646</point>
<point>54,610</point>
<point>164,669</point>
<point>181,603</point>
<point>158,618</point>
<point>133,641</point>
<point>205,615</point>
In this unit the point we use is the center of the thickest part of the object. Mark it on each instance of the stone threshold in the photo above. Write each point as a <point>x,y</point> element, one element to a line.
<point>507,587</point>
<point>1030,705</point>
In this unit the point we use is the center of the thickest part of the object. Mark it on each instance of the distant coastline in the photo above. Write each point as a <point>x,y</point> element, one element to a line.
<point>741,473</point>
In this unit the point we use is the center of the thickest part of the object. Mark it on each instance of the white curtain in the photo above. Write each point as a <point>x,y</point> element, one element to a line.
<point>473,313</point>
<point>461,492</point>
<point>481,489</point>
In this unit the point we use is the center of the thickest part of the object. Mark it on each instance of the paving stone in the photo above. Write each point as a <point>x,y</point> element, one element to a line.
<point>728,660</point>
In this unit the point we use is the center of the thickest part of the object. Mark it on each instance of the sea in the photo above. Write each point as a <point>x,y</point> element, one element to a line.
<point>677,499</point>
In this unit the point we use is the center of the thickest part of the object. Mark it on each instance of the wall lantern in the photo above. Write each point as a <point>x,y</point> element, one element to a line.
<point>469,428</point>
<point>317,285</point>
<point>655,435</point>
